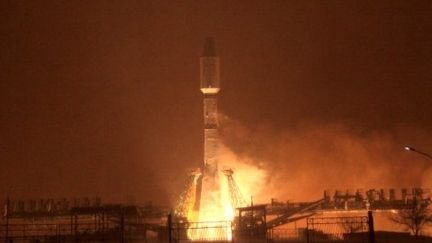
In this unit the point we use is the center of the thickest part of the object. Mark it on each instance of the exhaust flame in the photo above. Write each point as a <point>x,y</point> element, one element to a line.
<point>215,214</point>
<point>218,206</point>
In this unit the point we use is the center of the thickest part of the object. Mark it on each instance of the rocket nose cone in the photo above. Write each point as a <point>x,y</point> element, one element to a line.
<point>209,47</point>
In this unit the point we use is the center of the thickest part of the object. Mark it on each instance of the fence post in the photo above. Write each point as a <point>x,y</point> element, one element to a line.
<point>169,228</point>
<point>122,226</point>
<point>232,231</point>
<point>7,219</point>
<point>76,227</point>
<point>71,225</point>
<point>371,227</point>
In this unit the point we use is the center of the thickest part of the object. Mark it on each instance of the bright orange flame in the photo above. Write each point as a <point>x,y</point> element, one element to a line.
<point>217,211</point>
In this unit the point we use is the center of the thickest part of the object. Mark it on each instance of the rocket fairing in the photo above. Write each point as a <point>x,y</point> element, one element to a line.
<point>209,69</point>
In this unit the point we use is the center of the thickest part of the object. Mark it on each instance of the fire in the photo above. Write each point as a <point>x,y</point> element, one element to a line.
<point>215,215</point>
<point>218,206</point>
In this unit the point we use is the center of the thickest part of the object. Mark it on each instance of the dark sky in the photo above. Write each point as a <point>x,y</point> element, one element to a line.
<point>102,97</point>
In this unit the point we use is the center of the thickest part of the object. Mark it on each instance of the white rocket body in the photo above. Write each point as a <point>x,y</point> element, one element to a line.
<point>208,184</point>
<point>210,86</point>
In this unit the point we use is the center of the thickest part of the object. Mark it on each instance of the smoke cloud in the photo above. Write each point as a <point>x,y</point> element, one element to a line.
<point>300,162</point>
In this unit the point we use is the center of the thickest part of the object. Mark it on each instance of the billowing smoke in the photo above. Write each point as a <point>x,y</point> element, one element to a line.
<point>300,162</point>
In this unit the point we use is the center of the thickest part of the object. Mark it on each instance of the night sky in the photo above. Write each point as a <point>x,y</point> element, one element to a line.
<point>102,97</point>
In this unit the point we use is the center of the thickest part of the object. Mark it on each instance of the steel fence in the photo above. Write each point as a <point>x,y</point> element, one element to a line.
<point>216,231</point>
<point>331,229</point>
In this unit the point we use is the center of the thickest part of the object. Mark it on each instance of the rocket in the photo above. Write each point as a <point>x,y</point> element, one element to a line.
<point>210,86</point>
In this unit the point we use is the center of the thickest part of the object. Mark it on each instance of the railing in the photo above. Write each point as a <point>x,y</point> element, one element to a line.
<point>354,229</point>
<point>286,234</point>
<point>78,231</point>
<point>219,231</point>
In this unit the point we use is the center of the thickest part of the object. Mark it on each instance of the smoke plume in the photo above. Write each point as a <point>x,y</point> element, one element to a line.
<point>300,162</point>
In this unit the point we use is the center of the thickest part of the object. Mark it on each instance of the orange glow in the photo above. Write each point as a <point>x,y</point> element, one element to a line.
<point>217,210</point>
